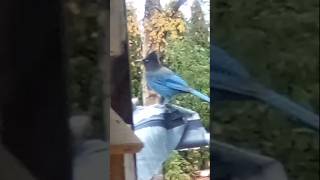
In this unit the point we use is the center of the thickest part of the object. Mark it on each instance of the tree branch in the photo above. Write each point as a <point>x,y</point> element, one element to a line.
<point>177,6</point>
<point>174,11</point>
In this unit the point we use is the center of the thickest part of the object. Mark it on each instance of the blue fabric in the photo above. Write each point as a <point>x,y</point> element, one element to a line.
<point>163,129</point>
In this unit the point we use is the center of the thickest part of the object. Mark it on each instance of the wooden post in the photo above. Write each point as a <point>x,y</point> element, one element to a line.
<point>120,71</point>
<point>123,142</point>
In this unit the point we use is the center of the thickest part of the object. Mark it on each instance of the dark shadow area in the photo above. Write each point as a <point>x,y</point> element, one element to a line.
<point>33,88</point>
<point>50,78</point>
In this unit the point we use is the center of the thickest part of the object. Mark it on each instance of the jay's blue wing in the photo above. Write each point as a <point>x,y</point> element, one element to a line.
<point>169,84</point>
<point>177,83</point>
<point>167,79</point>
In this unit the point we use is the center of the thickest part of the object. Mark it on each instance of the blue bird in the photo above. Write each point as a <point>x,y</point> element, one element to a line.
<point>165,82</point>
<point>230,81</point>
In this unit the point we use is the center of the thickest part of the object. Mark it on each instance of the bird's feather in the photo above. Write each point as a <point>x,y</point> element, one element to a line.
<point>222,62</point>
<point>228,76</point>
<point>166,77</point>
<point>200,95</point>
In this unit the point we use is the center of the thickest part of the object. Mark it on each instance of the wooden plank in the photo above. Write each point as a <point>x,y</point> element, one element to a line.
<point>122,138</point>
<point>122,166</point>
<point>120,71</point>
<point>118,30</point>
<point>117,167</point>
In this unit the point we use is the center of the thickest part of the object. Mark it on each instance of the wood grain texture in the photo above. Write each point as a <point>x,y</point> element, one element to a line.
<point>118,28</point>
<point>122,138</point>
<point>120,69</point>
<point>117,167</point>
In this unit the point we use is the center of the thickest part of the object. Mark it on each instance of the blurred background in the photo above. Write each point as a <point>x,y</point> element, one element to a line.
<point>278,43</point>
<point>84,47</point>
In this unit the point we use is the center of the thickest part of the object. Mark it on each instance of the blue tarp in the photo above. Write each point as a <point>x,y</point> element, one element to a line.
<point>163,129</point>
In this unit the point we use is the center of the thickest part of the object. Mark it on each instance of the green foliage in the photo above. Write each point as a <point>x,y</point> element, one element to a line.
<point>278,43</point>
<point>191,61</point>
<point>84,82</point>
<point>177,168</point>
<point>198,158</point>
<point>198,28</point>
<point>184,165</point>
<point>83,46</point>
<point>161,25</point>
<point>135,42</point>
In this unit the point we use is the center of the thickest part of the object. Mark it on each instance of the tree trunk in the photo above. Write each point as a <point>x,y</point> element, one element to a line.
<point>151,7</point>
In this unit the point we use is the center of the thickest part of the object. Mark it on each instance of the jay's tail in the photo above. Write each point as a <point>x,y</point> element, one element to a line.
<point>281,102</point>
<point>200,95</point>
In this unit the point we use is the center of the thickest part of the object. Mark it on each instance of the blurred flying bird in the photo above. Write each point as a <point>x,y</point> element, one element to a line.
<point>165,82</point>
<point>230,81</point>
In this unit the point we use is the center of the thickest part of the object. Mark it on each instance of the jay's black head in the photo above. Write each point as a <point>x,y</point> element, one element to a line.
<point>151,62</point>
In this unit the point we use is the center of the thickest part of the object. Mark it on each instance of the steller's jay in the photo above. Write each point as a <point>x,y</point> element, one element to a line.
<point>230,81</point>
<point>165,82</point>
